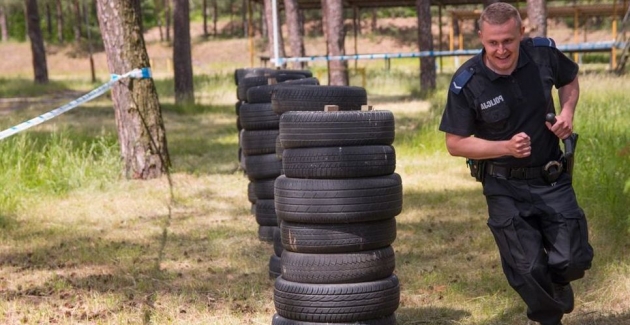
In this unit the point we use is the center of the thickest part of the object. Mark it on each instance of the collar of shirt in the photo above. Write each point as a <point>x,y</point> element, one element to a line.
<point>523,59</point>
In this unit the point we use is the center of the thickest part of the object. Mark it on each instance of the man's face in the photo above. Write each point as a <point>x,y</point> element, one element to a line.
<point>501,43</point>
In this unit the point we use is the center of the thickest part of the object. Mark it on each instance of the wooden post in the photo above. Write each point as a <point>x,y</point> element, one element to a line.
<point>440,35</point>
<point>613,49</point>
<point>331,108</point>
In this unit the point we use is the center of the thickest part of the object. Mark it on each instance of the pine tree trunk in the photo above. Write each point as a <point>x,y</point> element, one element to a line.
<point>137,109</point>
<point>425,43</point>
<point>374,20</point>
<point>204,14</point>
<point>37,42</point>
<point>215,17</point>
<point>167,19</point>
<point>159,17</point>
<point>296,38</point>
<point>182,56</point>
<point>49,26</point>
<point>537,17</point>
<point>77,21</point>
<point>337,70</point>
<point>3,24</point>
<point>60,22</point>
<point>244,18</point>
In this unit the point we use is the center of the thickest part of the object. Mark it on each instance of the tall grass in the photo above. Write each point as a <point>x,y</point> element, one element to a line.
<point>603,155</point>
<point>32,165</point>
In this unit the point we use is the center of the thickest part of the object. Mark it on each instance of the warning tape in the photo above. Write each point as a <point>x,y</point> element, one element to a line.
<point>590,46</point>
<point>143,73</point>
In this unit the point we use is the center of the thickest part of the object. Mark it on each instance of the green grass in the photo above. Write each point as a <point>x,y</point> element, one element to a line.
<point>53,164</point>
<point>26,88</point>
<point>79,244</point>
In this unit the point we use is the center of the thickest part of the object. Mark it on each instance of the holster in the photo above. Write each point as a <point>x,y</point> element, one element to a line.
<point>552,170</point>
<point>477,169</point>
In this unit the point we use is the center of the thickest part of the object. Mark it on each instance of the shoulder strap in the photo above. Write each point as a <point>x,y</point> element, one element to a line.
<point>461,79</point>
<point>543,41</point>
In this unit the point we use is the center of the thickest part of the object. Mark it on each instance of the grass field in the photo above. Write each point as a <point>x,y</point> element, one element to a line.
<point>80,245</point>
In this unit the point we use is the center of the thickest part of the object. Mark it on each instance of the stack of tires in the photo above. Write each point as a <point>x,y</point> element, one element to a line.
<point>257,143</point>
<point>337,203</point>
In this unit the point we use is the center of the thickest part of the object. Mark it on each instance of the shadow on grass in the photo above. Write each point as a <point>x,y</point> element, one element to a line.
<point>575,318</point>
<point>599,319</point>
<point>201,265</point>
<point>429,315</point>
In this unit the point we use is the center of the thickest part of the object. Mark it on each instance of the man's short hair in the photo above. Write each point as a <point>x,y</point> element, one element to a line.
<point>499,13</point>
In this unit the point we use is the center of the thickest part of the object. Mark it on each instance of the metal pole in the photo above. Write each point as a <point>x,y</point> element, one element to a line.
<point>276,44</point>
<point>250,32</point>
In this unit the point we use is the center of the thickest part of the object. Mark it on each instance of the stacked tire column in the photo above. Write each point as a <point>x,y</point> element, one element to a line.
<point>258,143</point>
<point>337,202</point>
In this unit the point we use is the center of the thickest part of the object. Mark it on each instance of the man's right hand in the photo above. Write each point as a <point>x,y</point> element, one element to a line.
<point>520,146</point>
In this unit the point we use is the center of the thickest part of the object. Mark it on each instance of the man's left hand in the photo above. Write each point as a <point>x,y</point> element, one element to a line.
<point>562,128</point>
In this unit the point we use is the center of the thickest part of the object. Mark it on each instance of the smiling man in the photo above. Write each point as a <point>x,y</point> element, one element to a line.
<point>495,116</point>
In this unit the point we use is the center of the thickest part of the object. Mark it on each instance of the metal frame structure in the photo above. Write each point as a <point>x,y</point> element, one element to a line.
<point>614,9</point>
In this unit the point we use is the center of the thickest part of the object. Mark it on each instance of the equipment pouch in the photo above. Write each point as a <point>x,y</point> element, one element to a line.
<point>477,169</point>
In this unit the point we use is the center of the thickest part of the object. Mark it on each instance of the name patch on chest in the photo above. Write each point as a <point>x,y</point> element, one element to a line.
<point>493,102</point>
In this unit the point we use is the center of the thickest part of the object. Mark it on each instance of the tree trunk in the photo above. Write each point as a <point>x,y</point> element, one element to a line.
<point>3,24</point>
<point>425,43</point>
<point>204,13</point>
<point>76,9</point>
<point>159,18</point>
<point>231,23</point>
<point>296,38</point>
<point>137,109</point>
<point>60,22</point>
<point>244,18</point>
<point>37,42</point>
<point>337,70</point>
<point>537,17</point>
<point>182,57</point>
<point>49,25</point>
<point>374,21</point>
<point>324,23</point>
<point>215,17</point>
<point>167,19</point>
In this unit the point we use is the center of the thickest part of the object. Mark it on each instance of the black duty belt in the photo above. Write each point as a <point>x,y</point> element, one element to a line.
<point>515,173</point>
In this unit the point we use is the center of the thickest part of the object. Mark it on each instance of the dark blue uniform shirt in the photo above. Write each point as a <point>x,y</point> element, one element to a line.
<point>496,107</point>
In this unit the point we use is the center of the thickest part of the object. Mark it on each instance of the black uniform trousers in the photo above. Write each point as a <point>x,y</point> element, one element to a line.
<point>542,237</point>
